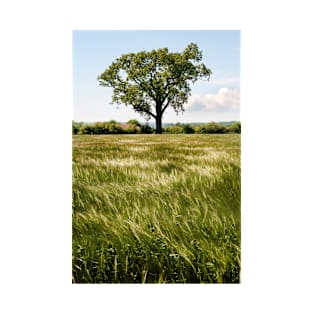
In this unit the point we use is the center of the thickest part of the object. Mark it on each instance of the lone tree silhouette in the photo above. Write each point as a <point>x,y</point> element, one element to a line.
<point>150,82</point>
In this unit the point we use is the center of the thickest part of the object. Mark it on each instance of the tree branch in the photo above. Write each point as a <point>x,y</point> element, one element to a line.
<point>148,112</point>
<point>166,105</point>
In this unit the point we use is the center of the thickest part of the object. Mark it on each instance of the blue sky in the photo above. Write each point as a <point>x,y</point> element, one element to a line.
<point>217,100</point>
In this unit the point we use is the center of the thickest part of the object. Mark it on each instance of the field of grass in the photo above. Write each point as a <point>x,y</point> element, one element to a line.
<point>156,208</point>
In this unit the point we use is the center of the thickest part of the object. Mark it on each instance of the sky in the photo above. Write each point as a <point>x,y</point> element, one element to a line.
<point>216,100</point>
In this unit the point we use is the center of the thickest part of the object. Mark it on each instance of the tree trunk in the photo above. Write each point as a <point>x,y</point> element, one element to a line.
<point>158,118</point>
<point>158,122</point>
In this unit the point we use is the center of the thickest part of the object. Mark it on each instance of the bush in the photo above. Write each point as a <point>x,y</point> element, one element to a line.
<point>177,129</point>
<point>100,128</point>
<point>134,127</point>
<point>235,128</point>
<point>134,123</point>
<point>146,129</point>
<point>76,126</point>
<point>86,130</point>
<point>187,129</point>
<point>211,128</point>
<point>114,128</point>
<point>131,129</point>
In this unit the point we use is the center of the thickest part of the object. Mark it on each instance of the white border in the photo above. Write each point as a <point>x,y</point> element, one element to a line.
<point>35,162</point>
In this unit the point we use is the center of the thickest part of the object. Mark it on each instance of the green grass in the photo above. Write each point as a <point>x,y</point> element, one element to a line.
<point>156,209</point>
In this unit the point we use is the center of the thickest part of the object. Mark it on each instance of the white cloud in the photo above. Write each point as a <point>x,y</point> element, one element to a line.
<point>225,100</point>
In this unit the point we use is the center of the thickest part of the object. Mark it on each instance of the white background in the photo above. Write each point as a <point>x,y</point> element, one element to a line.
<point>35,165</point>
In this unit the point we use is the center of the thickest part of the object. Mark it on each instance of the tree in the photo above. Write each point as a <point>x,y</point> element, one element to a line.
<point>150,82</point>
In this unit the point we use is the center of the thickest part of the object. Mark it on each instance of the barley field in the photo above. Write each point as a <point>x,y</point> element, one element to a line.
<point>156,208</point>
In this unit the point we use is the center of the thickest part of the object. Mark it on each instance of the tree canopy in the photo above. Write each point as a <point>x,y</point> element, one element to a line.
<point>150,82</point>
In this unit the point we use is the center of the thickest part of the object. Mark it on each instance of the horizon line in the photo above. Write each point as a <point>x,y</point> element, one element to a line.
<point>151,122</point>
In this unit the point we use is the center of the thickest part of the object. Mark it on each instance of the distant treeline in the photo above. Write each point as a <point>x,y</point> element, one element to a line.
<point>134,127</point>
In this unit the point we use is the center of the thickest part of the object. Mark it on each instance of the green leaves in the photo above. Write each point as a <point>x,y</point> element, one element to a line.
<point>150,82</point>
